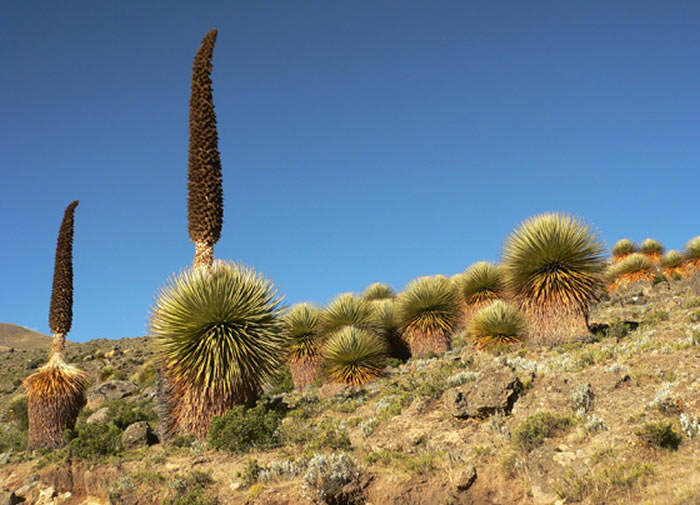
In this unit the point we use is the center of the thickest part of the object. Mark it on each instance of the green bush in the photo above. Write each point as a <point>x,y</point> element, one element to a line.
<point>659,435</point>
<point>533,430</point>
<point>280,382</point>
<point>13,439</point>
<point>123,414</point>
<point>242,428</point>
<point>92,441</point>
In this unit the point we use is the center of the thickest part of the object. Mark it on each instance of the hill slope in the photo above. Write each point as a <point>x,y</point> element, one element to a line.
<point>19,337</point>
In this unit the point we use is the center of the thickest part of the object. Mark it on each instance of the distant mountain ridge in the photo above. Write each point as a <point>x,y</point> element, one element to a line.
<point>19,337</point>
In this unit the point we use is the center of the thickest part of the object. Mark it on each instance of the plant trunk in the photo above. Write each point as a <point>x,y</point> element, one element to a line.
<point>305,371</point>
<point>58,345</point>
<point>424,343</point>
<point>556,323</point>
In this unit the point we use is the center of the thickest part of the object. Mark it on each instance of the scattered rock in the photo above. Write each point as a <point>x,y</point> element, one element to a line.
<point>108,391</point>
<point>497,392</point>
<point>465,479</point>
<point>4,458</point>
<point>101,416</point>
<point>7,497</point>
<point>138,435</point>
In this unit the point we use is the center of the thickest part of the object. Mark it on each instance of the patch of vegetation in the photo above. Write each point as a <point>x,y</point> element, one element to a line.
<point>693,302</point>
<point>17,411</point>
<point>94,441</point>
<point>250,473</point>
<point>242,428</point>
<point>602,485</point>
<point>532,432</point>
<point>280,382</point>
<point>654,317</point>
<point>12,438</point>
<point>122,414</point>
<point>659,434</point>
<point>419,464</point>
<point>191,489</point>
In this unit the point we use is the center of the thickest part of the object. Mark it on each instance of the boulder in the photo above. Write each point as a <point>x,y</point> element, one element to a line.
<point>101,416</point>
<point>495,393</point>
<point>465,479</point>
<point>7,497</point>
<point>108,391</point>
<point>138,435</point>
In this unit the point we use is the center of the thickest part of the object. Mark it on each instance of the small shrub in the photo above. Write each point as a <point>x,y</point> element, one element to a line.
<point>277,470</point>
<point>693,302</point>
<point>326,475</point>
<point>250,473</point>
<point>190,489</point>
<point>145,375</point>
<point>17,411</point>
<point>532,431</point>
<point>659,435</point>
<point>92,441</point>
<point>123,414</point>
<point>655,317</point>
<point>106,372</point>
<point>582,397</point>
<point>690,424</point>
<point>181,440</point>
<point>280,382</point>
<point>12,439</point>
<point>241,428</point>
<point>694,317</point>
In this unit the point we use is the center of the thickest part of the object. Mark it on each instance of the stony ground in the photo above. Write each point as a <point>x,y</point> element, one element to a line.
<point>613,420</point>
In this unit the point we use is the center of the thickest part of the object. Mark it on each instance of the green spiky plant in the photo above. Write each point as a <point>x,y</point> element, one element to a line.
<point>634,267</point>
<point>216,324</point>
<point>396,345</point>
<point>672,263</point>
<point>378,291</point>
<point>479,285</point>
<point>220,340</point>
<point>553,266</point>
<point>205,202</point>
<point>496,324</point>
<point>56,392</point>
<point>692,253</point>
<point>347,309</point>
<point>427,313</point>
<point>623,248</point>
<point>301,324</point>
<point>653,249</point>
<point>353,356</point>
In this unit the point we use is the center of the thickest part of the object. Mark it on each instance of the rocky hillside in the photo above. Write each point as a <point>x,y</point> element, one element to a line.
<point>610,420</point>
<point>18,337</point>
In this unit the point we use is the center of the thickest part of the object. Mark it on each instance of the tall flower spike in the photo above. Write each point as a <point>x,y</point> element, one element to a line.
<point>61,305</point>
<point>205,204</point>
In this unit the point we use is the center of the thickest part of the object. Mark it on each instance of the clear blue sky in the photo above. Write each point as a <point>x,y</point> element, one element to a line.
<point>360,141</point>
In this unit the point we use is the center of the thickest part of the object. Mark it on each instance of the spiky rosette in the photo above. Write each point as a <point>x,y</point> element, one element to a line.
<point>219,338</point>
<point>692,252</point>
<point>672,263</point>
<point>378,291</point>
<point>653,249</point>
<point>61,305</point>
<point>396,346</point>
<point>634,267</point>
<point>205,204</point>
<point>427,312</point>
<point>622,248</point>
<point>553,264</point>
<point>353,356</point>
<point>301,324</point>
<point>498,323</point>
<point>55,395</point>
<point>347,309</point>
<point>481,284</point>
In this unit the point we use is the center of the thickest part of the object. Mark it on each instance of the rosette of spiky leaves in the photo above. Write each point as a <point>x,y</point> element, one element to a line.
<point>672,263</point>
<point>481,284</point>
<point>301,324</point>
<point>553,264</point>
<point>205,203</point>
<point>353,356</point>
<point>347,309</point>
<point>692,252</point>
<point>378,291</point>
<point>496,324</point>
<point>653,249</point>
<point>427,312</point>
<point>634,267</point>
<point>623,248</point>
<point>219,338</point>
<point>55,395</point>
<point>396,346</point>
